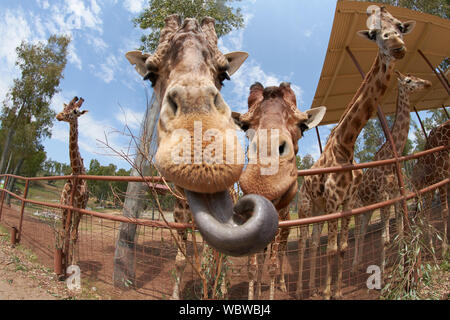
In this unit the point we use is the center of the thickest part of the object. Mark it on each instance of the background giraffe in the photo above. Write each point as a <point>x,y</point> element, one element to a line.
<point>327,192</point>
<point>70,114</point>
<point>273,117</point>
<point>380,183</point>
<point>432,169</point>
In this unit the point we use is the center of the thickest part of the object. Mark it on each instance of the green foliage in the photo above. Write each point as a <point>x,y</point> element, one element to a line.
<point>440,8</point>
<point>26,116</point>
<point>436,118</point>
<point>227,18</point>
<point>107,190</point>
<point>409,273</point>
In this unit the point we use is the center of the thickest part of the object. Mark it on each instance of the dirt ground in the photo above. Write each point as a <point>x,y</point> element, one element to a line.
<point>22,278</point>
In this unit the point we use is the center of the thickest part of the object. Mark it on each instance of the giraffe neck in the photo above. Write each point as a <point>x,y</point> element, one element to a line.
<point>362,105</point>
<point>400,128</point>
<point>76,162</point>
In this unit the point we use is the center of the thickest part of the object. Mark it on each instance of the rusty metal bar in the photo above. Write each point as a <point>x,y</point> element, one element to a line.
<point>13,236</point>
<point>398,168</point>
<point>421,124</point>
<point>371,164</point>
<point>354,212</point>
<point>282,224</point>
<point>5,183</point>
<point>88,177</point>
<point>308,172</point>
<point>350,53</point>
<point>318,139</point>
<point>444,84</point>
<point>58,262</point>
<point>445,109</point>
<point>389,137</point>
<point>67,235</point>
<point>175,225</point>
<point>22,209</point>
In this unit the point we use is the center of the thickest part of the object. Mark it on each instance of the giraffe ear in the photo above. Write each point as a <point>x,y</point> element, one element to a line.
<point>367,34</point>
<point>235,59</point>
<point>237,120</point>
<point>83,112</point>
<point>138,58</point>
<point>408,26</point>
<point>315,116</point>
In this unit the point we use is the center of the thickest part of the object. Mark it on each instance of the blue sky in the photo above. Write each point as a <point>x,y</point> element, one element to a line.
<point>286,42</point>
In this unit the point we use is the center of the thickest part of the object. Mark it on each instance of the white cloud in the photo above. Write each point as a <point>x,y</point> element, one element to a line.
<point>130,118</point>
<point>134,6</point>
<point>96,42</point>
<point>105,71</point>
<point>249,73</point>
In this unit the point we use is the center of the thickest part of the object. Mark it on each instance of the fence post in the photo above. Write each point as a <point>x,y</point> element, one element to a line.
<point>5,183</point>
<point>13,236</point>
<point>68,225</point>
<point>22,209</point>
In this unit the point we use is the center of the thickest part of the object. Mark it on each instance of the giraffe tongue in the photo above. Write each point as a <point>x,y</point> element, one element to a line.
<point>247,228</point>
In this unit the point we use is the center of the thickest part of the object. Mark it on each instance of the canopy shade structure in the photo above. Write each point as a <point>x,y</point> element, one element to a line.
<point>340,78</point>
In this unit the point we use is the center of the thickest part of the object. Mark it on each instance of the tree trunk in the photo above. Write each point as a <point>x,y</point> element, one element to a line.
<point>6,147</point>
<point>12,181</point>
<point>124,257</point>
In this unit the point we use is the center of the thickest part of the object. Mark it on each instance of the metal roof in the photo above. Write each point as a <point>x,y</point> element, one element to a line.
<point>340,78</point>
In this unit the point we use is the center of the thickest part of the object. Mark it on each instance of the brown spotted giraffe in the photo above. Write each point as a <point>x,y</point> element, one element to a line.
<point>70,114</point>
<point>187,71</point>
<point>325,193</point>
<point>432,169</point>
<point>380,183</point>
<point>273,116</point>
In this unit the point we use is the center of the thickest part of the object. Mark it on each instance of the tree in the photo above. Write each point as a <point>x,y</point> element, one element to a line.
<point>227,18</point>
<point>440,8</point>
<point>26,117</point>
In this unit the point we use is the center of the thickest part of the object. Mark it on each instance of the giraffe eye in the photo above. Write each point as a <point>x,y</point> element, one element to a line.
<point>75,111</point>
<point>408,81</point>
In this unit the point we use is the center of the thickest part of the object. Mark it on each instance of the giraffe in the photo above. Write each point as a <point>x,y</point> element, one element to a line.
<point>272,113</point>
<point>380,183</point>
<point>187,72</point>
<point>432,169</point>
<point>325,193</point>
<point>70,114</point>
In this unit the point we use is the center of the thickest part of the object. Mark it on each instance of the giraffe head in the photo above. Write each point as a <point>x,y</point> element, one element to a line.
<point>187,72</point>
<point>410,83</point>
<point>274,125</point>
<point>71,111</point>
<point>387,32</point>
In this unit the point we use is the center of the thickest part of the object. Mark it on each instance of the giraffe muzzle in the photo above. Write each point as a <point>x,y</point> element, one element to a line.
<point>244,229</point>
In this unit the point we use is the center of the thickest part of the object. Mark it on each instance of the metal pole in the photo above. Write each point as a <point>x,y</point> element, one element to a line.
<point>444,84</point>
<point>13,236</point>
<point>421,124</point>
<point>389,137</point>
<point>318,138</point>
<point>22,209</point>
<point>448,116</point>
<point>69,224</point>
<point>3,196</point>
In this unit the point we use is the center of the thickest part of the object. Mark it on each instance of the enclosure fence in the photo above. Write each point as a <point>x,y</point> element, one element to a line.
<point>33,223</point>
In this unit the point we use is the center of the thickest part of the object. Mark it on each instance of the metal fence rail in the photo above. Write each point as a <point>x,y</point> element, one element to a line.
<point>34,221</point>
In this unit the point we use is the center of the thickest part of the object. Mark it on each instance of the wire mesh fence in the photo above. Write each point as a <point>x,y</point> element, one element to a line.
<point>154,250</point>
